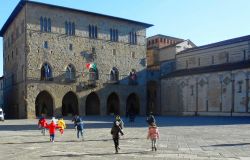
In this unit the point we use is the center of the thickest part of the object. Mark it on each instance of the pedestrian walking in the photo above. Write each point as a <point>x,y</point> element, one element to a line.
<point>42,124</point>
<point>153,134</point>
<point>61,124</point>
<point>79,127</point>
<point>116,131</point>
<point>52,129</point>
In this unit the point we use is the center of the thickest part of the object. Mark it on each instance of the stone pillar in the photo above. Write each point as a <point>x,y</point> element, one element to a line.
<point>196,98</point>
<point>247,91</point>
<point>232,80</point>
<point>221,81</point>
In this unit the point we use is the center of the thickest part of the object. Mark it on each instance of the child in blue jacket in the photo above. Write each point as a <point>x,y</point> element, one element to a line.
<point>79,127</point>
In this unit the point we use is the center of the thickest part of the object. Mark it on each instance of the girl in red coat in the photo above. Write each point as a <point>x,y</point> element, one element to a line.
<point>52,129</point>
<point>153,134</point>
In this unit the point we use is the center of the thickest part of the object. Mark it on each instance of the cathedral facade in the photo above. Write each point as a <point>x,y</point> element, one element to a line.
<point>209,80</point>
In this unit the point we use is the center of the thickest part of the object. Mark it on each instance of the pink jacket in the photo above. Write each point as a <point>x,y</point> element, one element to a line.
<point>153,132</point>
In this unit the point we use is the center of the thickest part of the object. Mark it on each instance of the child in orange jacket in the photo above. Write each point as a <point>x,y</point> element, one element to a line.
<point>153,134</point>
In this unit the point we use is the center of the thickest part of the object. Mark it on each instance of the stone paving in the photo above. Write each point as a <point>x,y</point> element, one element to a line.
<point>181,138</point>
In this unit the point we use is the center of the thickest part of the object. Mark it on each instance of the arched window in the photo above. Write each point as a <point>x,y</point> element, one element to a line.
<point>66,27</point>
<point>70,73</point>
<point>93,74</point>
<point>45,25</point>
<point>73,29</point>
<point>49,25</point>
<point>46,72</point>
<point>95,32</point>
<point>114,74</point>
<point>70,29</point>
<point>41,24</point>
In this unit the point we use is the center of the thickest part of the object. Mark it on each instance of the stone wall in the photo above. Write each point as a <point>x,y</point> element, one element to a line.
<point>59,57</point>
<point>14,67</point>
<point>213,56</point>
<point>217,93</point>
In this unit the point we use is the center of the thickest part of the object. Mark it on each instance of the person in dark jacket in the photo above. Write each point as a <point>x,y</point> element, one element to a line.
<point>79,127</point>
<point>151,119</point>
<point>116,131</point>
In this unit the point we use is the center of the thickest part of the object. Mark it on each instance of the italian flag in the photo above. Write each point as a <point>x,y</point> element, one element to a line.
<point>91,65</point>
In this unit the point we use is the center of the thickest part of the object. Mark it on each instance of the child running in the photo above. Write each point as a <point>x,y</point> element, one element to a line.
<point>153,134</point>
<point>116,129</point>
<point>79,126</point>
<point>42,123</point>
<point>61,124</point>
<point>52,129</point>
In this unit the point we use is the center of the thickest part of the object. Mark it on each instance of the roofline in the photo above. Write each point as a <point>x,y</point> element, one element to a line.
<point>21,4</point>
<point>218,44</point>
<point>172,45</point>
<point>164,36</point>
<point>208,69</point>
<point>175,44</point>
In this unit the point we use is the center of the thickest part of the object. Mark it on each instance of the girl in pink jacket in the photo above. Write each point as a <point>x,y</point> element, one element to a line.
<point>153,134</point>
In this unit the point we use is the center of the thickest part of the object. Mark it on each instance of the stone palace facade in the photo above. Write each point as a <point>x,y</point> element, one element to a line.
<point>64,61</point>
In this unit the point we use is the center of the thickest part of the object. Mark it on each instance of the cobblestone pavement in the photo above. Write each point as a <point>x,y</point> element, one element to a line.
<point>181,138</point>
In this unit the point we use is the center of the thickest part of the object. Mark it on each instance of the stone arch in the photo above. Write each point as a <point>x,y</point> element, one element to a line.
<point>133,104</point>
<point>113,104</point>
<point>70,104</point>
<point>152,87</point>
<point>44,104</point>
<point>92,104</point>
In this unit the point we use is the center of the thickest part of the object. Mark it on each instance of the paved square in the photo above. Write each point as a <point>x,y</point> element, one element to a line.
<point>181,138</point>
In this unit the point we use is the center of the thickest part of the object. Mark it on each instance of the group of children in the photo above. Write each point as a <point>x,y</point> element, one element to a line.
<point>116,130</point>
<point>59,124</point>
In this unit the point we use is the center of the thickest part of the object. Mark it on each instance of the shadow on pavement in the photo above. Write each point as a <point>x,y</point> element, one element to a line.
<point>67,141</point>
<point>95,154</point>
<point>228,145</point>
<point>27,142</point>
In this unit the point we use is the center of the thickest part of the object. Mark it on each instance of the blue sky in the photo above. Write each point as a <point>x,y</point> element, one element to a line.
<point>201,21</point>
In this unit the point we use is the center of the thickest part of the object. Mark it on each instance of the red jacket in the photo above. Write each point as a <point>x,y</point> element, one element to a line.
<point>42,122</point>
<point>52,127</point>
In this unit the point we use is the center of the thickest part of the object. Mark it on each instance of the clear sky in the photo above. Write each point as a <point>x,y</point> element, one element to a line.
<point>201,21</point>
